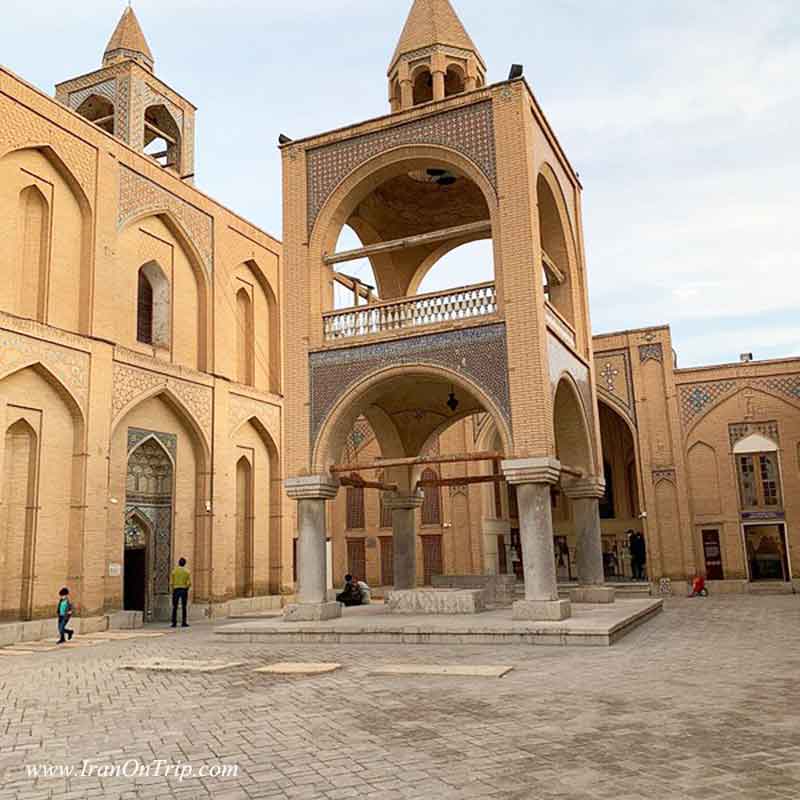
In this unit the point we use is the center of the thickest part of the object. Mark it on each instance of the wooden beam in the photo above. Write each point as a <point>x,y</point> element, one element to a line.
<point>409,241</point>
<point>466,480</point>
<point>362,484</point>
<point>383,463</point>
<point>550,265</point>
<point>158,132</point>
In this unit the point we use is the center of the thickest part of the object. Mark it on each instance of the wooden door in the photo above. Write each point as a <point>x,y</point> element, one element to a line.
<point>387,561</point>
<point>502,561</point>
<point>713,555</point>
<point>431,558</point>
<point>357,558</point>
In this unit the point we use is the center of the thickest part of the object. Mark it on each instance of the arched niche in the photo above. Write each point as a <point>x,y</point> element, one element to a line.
<point>45,256</point>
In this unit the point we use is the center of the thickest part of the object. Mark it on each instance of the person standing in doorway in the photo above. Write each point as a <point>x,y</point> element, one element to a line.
<point>180,583</point>
<point>636,546</point>
<point>64,616</point>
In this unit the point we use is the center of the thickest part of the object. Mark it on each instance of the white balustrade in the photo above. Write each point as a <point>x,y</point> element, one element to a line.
<point>417,311</point>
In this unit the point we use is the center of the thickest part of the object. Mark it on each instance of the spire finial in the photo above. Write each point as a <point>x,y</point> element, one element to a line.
<point>128,42</point>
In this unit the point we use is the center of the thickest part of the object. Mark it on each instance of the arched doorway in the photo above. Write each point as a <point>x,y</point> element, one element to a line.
<point>149,522</point>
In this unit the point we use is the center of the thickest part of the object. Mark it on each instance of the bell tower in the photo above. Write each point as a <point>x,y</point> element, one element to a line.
<point>456,161</point>
<point>126,99</point>
<point>434,58</point>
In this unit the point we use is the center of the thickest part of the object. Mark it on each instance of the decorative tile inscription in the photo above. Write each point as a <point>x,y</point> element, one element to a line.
<point>477,353</point>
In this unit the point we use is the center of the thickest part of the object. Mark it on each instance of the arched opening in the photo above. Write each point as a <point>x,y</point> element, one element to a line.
<point>453,81</point>
<point>624,548</point>
<point>153,307</point>
<point>423,85</point>
<point>149,490</point>
<point>19,516</point>
<point>407,216</point>
<point>244,528</point>
<point>573,443</point>
<point>245,344</point>
<point>471,263</point>
<point>34,256</point>
<point>162,137</point>
<point>554,241</point>
<point>100,110</point>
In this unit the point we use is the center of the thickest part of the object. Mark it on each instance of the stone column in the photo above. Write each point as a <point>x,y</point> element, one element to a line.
<point>312,595</point>
<point>438,85</point>
<point>406,94</point>
<point>403,506</point>
<point>533,478</point>
<point>585,494</point>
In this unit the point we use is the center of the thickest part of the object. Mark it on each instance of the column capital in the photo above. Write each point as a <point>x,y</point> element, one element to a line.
<point>312,487</point>
<point>585,489</point>
<point>531,470</point>
<point>404,501</point>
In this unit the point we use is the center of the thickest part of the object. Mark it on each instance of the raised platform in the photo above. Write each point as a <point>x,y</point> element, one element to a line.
<point>593,625</point>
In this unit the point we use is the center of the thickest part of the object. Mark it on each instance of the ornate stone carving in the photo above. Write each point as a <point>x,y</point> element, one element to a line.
<point>130,383</point>
<point>121,108</point>
<point>468,129</point>
<point>653,352</point>
<point>664,474</point>
<point>787,385</point>
<point>107,89</point>
<point>242,408</point>
<point>741,430</point>
<point>697,399</point>
<point>138,195</point>
<point>477,353</point>
<point>71,367</point>
<point>21,129</point>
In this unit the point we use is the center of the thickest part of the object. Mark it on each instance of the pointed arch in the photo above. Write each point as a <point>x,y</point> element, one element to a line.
<point>82,279</point>
<point>154,306</point>
<point>245,515</point>
<point>200,269</point>
<point>275,493</point>
<point>571,427</point>
<point>34,252</point>
<point>704,485</point>
<point>245,344</point>
<point>432,503</point>
<point>557,242</point>
<point>272,326</point>
<point>178,406</point>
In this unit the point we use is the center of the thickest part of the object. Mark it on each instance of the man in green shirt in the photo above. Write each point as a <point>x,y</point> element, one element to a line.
<point>180,582</point>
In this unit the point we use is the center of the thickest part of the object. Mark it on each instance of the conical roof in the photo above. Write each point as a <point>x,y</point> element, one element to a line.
<point>128,36</point>
<point>432,22</point>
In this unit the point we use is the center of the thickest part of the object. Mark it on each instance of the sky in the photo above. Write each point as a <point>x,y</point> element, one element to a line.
<point>682,118</point>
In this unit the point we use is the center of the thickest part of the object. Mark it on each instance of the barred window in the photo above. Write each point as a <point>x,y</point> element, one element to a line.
<point>144,314</point>
<point>355,507</point>
<point>432,504</point>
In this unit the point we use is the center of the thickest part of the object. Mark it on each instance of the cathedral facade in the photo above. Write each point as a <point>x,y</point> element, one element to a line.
<point>166,392</point>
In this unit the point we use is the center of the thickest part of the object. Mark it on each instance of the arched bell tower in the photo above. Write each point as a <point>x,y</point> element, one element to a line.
<point>126,99</point>
<point>455,161</point>
<point>434,58</point>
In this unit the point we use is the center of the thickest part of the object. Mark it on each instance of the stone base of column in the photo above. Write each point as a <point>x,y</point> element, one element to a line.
<point>312,612</point>
<point>592,594</point>
<point>541,610</point>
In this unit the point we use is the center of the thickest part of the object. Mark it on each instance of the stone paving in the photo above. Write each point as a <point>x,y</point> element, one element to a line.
<point>703,701</point>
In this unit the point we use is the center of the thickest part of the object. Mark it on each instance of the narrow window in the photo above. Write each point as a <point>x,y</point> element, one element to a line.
<point>432,504</point>
<point>144,314</point>
<point>759,484</point>
<point>355,508</point>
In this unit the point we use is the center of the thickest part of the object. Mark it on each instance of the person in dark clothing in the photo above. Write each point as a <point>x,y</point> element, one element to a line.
<point>351,592</point>
<point>64,616</point>
<point>638,551</point>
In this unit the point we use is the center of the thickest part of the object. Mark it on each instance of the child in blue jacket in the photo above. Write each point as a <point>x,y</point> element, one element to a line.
<point>64,615</point>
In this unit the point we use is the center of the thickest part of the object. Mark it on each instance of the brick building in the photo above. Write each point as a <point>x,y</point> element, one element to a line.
<point>150,345</point>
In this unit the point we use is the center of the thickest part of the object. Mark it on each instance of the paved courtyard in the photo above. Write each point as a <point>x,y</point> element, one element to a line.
<point>703,701</point>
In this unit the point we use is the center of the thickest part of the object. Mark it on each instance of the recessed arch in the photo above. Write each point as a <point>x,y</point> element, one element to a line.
<point>571,427</point>
<point>422,84</point>
<point>199,269</point>
<point>98,109</point>
<point>557,241</point>
<point>68,240</point>
<point>454,80</point>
